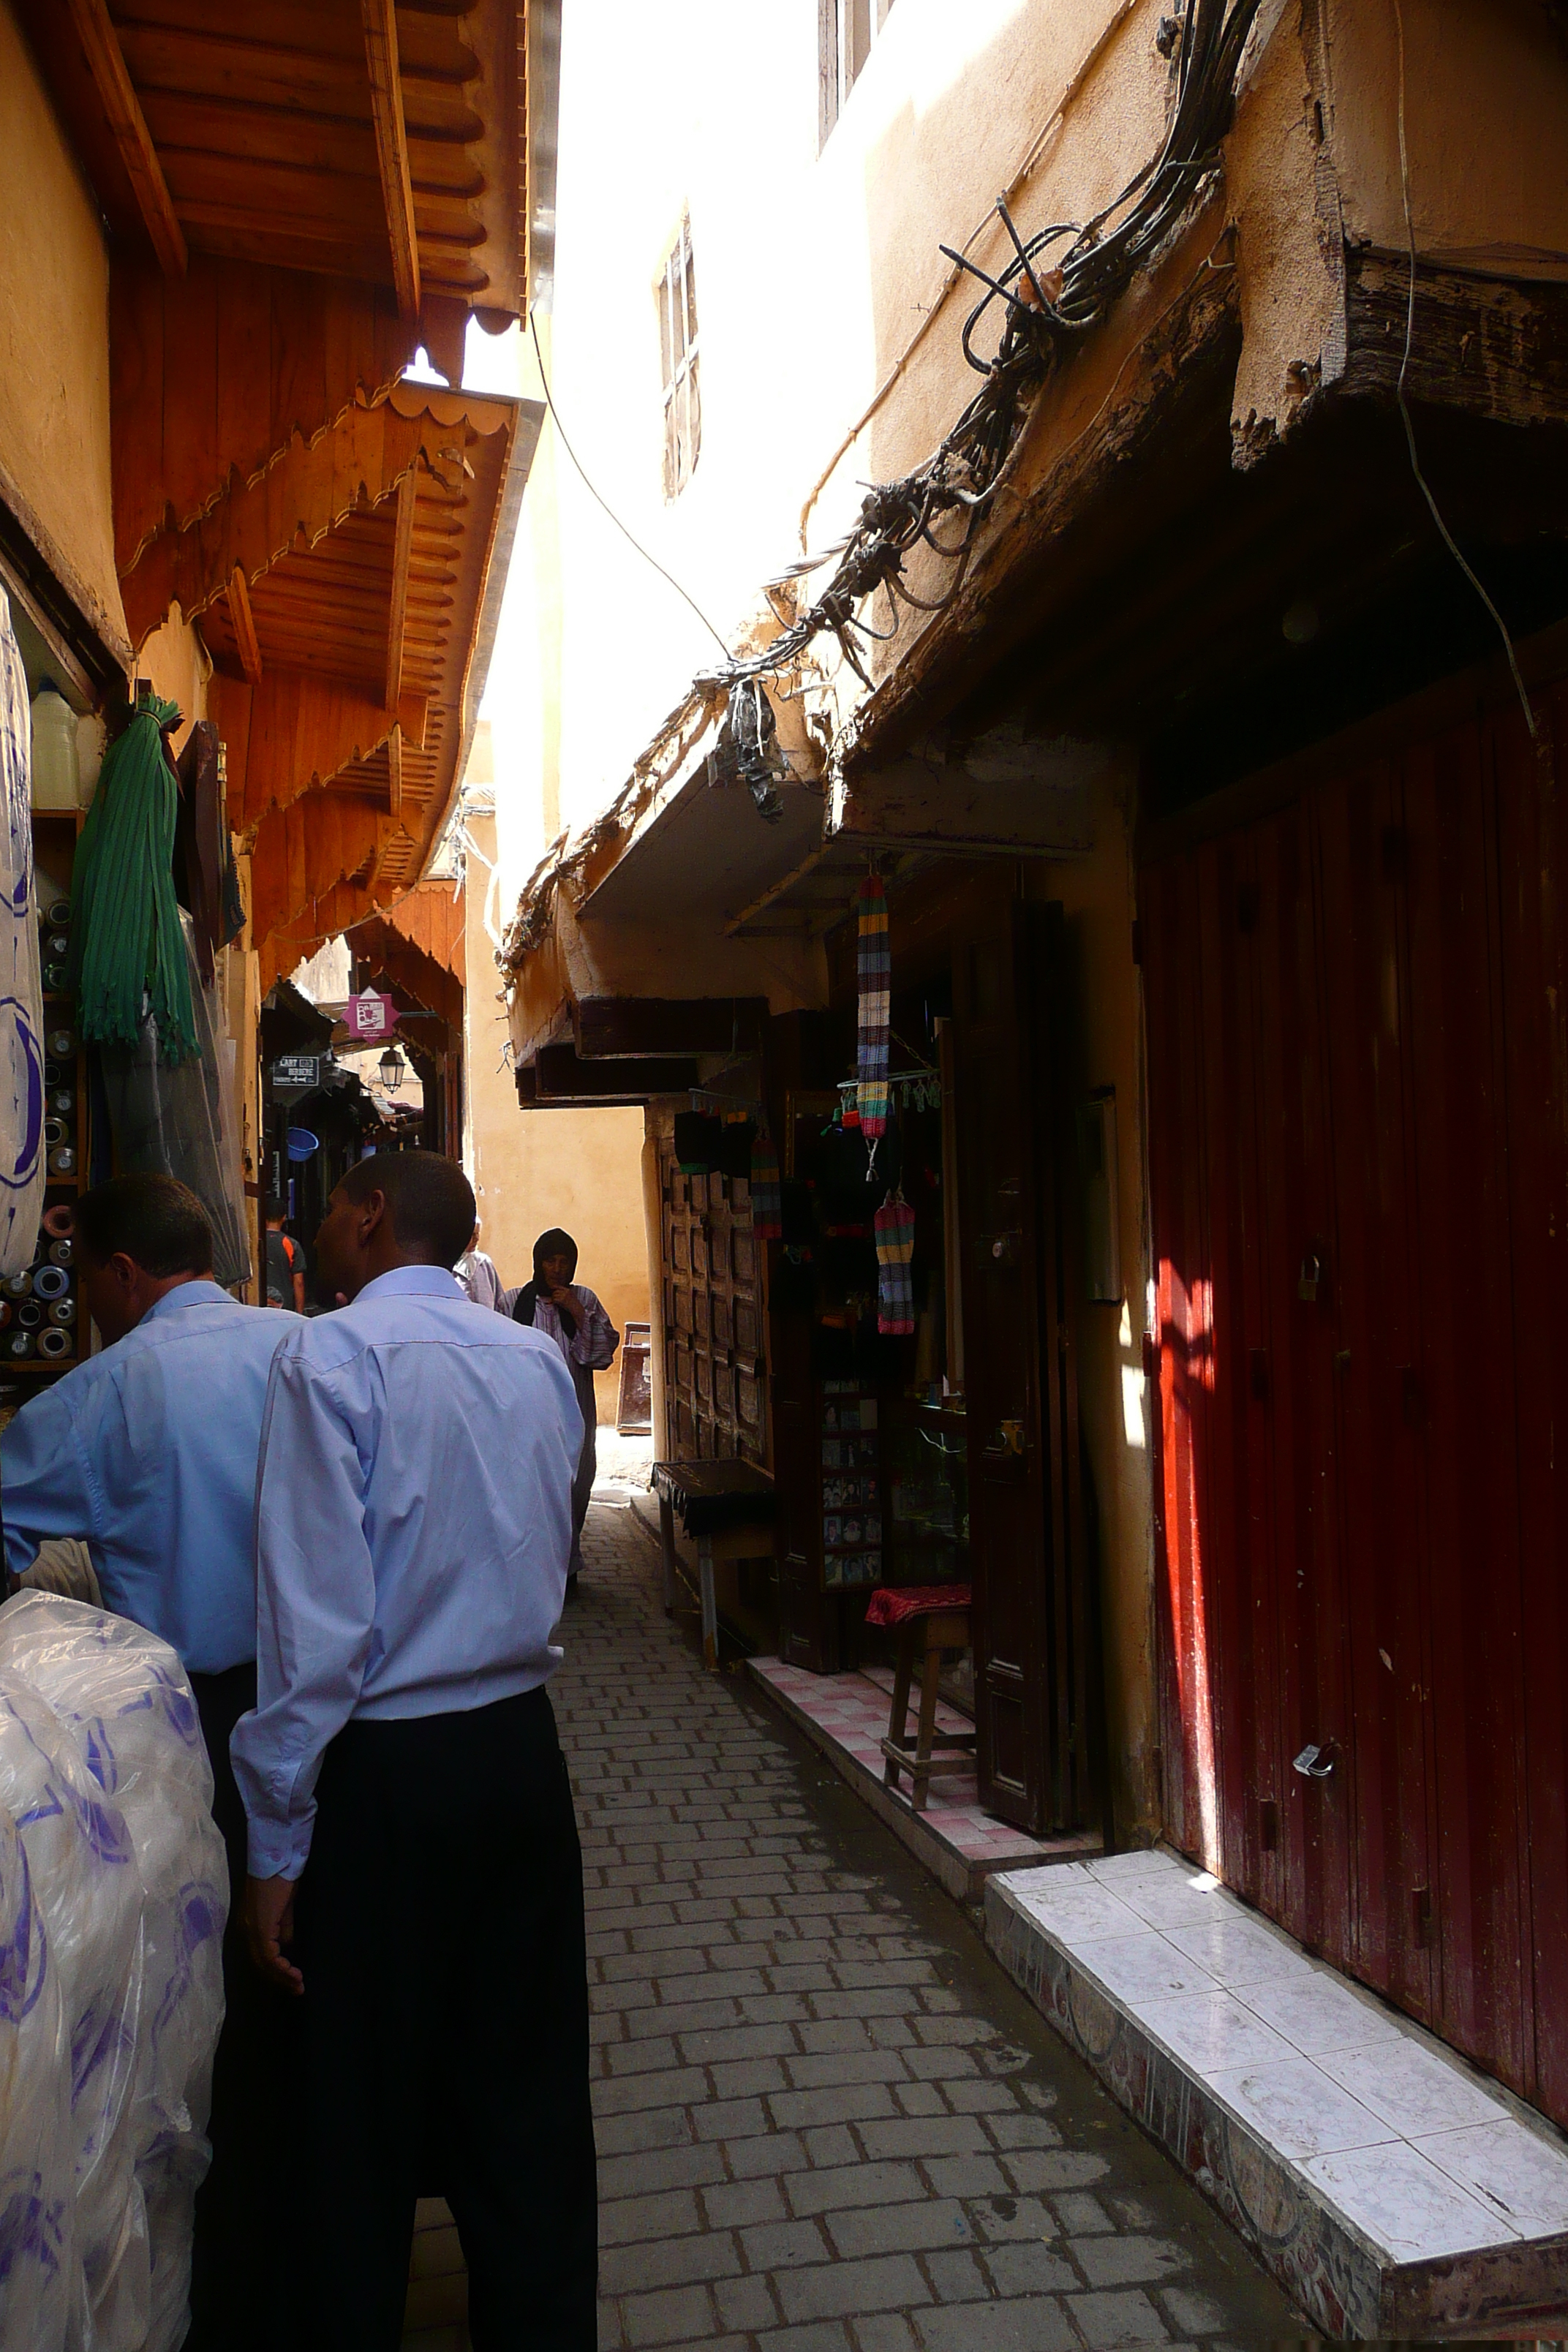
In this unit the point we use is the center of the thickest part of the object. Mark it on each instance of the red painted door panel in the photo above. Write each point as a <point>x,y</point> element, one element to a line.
<point>1357,1020</point>
<point>1310,1894</point>
<point>1460,1403</point>
<point>1532,802</point>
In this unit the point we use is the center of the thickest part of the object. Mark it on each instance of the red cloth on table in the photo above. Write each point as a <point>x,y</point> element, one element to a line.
<point>891,1604</point>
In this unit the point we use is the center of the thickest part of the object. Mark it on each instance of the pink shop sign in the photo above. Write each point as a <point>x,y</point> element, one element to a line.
<point>370,1016</point>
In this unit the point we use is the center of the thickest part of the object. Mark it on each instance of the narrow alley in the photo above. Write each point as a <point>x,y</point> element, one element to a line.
<point>825,2118</point>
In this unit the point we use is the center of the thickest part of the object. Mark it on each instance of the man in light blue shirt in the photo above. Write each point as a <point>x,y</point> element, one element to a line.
<point>148,1452</point>
<point>416,1874</point>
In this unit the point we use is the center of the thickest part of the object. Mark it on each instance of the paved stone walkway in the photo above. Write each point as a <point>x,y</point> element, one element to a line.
<point>826,2122</point>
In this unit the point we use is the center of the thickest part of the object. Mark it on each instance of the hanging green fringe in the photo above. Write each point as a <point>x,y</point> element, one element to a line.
<point>126,943</point>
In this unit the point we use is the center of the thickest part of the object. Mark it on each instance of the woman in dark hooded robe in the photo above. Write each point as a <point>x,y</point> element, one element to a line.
<point>569,1313</point>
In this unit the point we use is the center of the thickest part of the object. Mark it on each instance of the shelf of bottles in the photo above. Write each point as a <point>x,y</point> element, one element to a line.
<point>42,1331</point>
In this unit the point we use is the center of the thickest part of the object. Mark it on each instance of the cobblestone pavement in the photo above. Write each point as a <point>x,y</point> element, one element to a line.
<point>826,2121</point>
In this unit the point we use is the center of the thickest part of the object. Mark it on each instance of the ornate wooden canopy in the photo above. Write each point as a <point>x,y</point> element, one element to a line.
<point>299,194</point>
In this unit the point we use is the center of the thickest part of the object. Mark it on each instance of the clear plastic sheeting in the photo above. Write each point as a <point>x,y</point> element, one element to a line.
<point>174,1119</point>
<point>114,1893</point>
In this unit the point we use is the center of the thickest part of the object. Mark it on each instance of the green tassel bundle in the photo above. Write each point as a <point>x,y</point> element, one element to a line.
<point>126,942</point>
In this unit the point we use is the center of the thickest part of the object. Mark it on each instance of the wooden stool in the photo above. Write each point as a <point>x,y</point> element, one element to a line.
<point>929,1634</point>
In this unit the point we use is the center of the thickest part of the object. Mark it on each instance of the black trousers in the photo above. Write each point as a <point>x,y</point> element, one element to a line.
<point>242,2298</point>
<point>438,1926</point>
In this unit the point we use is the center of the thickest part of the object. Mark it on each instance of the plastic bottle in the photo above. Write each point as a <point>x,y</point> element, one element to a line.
<point>56,775</point>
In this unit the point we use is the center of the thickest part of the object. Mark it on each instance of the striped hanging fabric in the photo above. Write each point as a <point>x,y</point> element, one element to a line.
<point>875,975</point>
<point>895,1226</point>
<point>767,1210</point>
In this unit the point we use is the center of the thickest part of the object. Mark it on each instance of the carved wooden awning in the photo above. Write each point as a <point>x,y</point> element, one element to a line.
<point>342,638</point>
<point>417,947</point>
<point>299,198</point>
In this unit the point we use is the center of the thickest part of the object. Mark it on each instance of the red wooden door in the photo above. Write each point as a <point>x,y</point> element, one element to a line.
<point>1031,1630</point>
<point>1358,1088</point>
<point>1532,832</point>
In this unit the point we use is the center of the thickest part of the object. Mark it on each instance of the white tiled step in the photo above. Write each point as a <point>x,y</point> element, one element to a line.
<point>1392,2191</point>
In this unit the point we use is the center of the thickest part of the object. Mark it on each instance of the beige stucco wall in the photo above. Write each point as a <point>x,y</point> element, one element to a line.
<point>179,665</point>
<point>54,339</point>
<point>579,1168</point>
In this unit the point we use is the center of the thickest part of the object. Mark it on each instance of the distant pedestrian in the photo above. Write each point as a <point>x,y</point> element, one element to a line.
<point>285,1265</point>
<point>414,1867</point>
<point>569,1313</point>
<point>477,1275</point>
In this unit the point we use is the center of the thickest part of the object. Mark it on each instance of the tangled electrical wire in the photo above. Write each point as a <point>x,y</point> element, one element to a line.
<point>1045,305</point>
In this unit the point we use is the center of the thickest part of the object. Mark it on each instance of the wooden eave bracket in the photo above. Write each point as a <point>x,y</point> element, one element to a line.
<point>244,620</point>
<point>380,21</point>
<point>128,127</point>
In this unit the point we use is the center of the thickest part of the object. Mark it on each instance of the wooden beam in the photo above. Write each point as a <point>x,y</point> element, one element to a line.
<point>380,21</point>
<point>643,1027</point>
<point>244,619</point>
<point>397,611</point>
<point>394,771</point>
<point>128,128</point>
<point>559,1077</point>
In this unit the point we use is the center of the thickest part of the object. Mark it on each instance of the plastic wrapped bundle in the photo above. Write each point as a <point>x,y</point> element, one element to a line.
<point>38,2195</point>
<point>103,1770</point>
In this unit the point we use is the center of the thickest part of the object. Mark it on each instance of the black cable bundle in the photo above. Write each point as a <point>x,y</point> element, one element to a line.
<point>1046,309</point>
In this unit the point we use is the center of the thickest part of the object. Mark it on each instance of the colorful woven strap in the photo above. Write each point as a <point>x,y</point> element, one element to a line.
<point>874,974</point>
<point>767,1200</point>
<point>895,1227</point>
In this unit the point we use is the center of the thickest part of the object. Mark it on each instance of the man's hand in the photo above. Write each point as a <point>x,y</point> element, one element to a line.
<point>268,1926</point>
<point>562,1296</point>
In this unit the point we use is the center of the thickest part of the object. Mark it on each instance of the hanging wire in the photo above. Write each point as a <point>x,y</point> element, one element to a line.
<point>1449,541</point>
<point>1045,305</point>
<point>604,502</point>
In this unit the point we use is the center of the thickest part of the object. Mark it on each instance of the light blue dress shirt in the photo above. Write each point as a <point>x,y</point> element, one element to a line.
<point>148,1451</point>
<point>413,1522</point>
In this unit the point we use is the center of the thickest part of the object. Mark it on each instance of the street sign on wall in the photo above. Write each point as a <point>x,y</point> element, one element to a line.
<point>299,1072</point>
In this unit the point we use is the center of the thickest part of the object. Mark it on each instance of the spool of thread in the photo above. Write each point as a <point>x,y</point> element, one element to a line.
<point>57,944</point>
<point>63,1311</point>
<point>19,1286</point>
<point>4,1313</point>
<point>62,1045</point>
<point>55,1343</point>
<point>55,979</point>
<point>62,1253</point>
<point>29,1315</point>
<point>59,1222</point>
<point>62,1162</point>
<point>51,1282</point>
<point>62,1102</point>
<point>55,1131</point>
<point>20,1343</point>
<point>57,913</point>
<point>53,1075</point>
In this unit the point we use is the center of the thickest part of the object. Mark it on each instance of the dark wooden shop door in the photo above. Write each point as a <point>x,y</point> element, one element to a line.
<point>1359,1160</point>
<point>1027,1542</point>
<point>1251,1608</point>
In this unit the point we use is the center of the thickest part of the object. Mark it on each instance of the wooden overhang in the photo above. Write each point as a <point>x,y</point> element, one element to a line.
<point>298,196</point>
<point>556,1077</point>
<point>342,599</point>
<point>418,945</point>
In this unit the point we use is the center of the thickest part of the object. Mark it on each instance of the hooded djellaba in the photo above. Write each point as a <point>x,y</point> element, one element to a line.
<point>568,1312</point>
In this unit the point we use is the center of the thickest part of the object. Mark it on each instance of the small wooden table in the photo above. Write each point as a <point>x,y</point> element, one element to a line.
<point>728,1508</point>
<point>928,1620</point>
